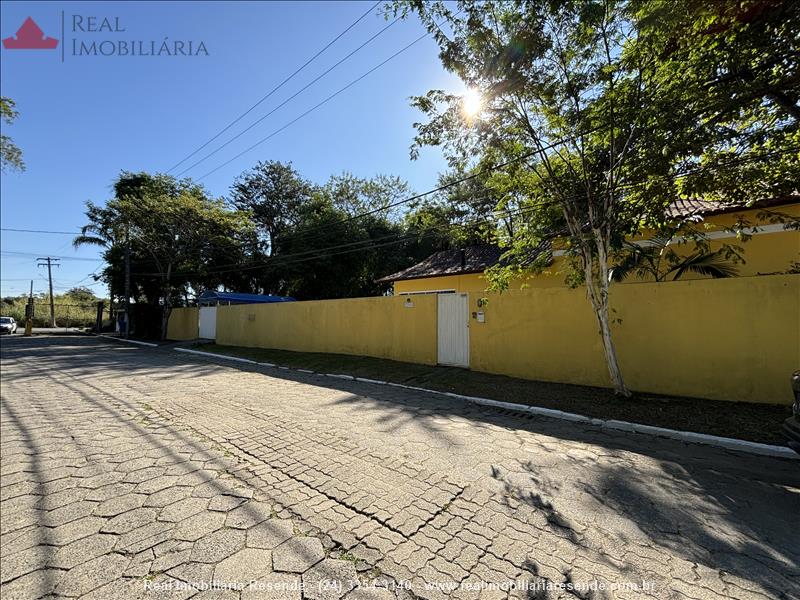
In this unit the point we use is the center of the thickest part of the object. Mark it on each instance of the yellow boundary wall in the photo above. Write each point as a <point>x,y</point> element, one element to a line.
<point>382,327</point>
<point>727,339</point>
<point>183,324</point>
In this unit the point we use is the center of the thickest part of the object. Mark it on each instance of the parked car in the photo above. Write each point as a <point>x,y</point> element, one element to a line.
<point>7,325</point>
<point>791,427</point>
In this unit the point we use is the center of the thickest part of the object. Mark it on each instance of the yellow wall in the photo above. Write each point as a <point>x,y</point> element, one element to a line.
<point>476,283</point>
<point>727,339</point>
<point>764,253</point>
<point>183,324</point>
<point>382,327</point>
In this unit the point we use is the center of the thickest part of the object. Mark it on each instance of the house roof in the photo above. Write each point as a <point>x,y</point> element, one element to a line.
<point>473,259</point>
<point>240,298</point>
<point>694,207</point>
<point>477,259</point>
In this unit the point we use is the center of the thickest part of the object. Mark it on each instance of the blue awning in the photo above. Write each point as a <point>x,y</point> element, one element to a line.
<point>212,297</point>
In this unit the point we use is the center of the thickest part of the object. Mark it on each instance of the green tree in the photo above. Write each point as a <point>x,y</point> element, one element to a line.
<point>357,195</point>
<point>178,237</point>
<point>81,294</point>
<point>10,154</point>
<point>273,193</point>
<point>728,91</point>
<point>465,213</point>
<point>328,254</point>
<point>576,93</point>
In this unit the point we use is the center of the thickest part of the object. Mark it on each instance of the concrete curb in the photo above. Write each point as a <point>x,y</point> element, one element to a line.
<point>233,358</point>
<point>683,436</point>
<point>116,339</point>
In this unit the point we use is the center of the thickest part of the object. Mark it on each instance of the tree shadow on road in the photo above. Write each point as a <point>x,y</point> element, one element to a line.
<point>725,511</point>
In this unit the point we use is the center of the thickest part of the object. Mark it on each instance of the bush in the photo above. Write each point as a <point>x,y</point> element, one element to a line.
<point>68,312</point>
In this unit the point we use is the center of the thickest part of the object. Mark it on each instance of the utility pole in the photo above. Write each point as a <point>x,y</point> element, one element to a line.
<point>29,313</point>
<point>50,262</point>
<point>127,282</point>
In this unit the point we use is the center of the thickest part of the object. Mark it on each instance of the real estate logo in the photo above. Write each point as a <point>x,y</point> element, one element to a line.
<point>102,36</point>
<point>30,37</point>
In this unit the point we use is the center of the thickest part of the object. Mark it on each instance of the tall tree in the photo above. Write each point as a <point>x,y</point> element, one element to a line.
<point>728,92</point>
<point>10,154</point>
<point>357,195</point>
<point>179,237</point>
<point>273,192</point>
<point>328,254</point>
<point>574,93</point>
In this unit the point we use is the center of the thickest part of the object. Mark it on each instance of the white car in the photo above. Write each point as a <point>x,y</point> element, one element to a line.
<point>8,325</point>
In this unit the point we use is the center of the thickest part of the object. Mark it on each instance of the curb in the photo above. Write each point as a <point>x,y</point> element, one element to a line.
<point>674,434</point>
<point>233,358</point>
<point>116,339</point>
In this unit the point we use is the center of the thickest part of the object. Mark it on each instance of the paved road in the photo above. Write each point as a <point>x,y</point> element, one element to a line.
<point>130,472</point>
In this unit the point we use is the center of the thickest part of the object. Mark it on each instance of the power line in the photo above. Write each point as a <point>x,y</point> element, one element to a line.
<point>302,234</point>
<point>401,237</point>
<point>39,231</point>
<point>305,232</point>
<point>277,87</point>
<point>315,107</point>
<point>31,255</point>
<point>285,102</point>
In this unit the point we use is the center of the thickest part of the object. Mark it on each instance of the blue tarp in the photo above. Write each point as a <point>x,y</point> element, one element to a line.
<point>209,297</point>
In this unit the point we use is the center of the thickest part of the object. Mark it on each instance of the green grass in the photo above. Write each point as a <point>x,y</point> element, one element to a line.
<point>755,422</point>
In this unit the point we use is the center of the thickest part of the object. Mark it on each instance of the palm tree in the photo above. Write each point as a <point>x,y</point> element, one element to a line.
<point>104,230</point>
<point>658,260</point>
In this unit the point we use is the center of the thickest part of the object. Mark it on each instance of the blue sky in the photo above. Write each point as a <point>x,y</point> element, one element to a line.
<point>86,118</point>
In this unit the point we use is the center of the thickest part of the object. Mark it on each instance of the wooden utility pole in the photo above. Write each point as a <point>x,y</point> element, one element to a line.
<point>50,263</point>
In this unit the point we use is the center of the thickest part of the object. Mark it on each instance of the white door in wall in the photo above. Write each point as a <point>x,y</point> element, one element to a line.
<point>208,322</point>
<point>453,330</point>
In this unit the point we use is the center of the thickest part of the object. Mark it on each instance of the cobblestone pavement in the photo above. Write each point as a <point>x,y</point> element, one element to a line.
<point>140,473</point>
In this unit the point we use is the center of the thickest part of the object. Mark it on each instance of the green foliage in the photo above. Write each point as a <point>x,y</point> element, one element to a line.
<point>612,110</point>
<point>75,308</point>
<point>331,254</point>
<point>329,241</point>
<point>728,88</point>
<point>277,234</point>
<point>661,262</point>
<point>273,193</point>
<point>10,154</point>
<point>357,195</point>
<point>179,238</point>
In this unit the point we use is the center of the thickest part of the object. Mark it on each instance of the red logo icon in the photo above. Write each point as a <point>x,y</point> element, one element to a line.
<point>30,37</point>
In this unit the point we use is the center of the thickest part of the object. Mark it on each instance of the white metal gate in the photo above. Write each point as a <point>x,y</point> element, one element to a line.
<point>453,330</point>
<point>208,322</point>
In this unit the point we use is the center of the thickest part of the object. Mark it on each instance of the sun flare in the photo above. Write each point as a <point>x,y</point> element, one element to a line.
<point>472,103</point>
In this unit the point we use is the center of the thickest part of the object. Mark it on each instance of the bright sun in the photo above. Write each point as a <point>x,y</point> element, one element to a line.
<point>472,103</point>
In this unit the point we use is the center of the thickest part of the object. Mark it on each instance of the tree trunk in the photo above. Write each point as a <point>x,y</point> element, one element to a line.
<point>610,351</point>
<point>166,307</point>
<point>165,312</point>
<point>597,290</point>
